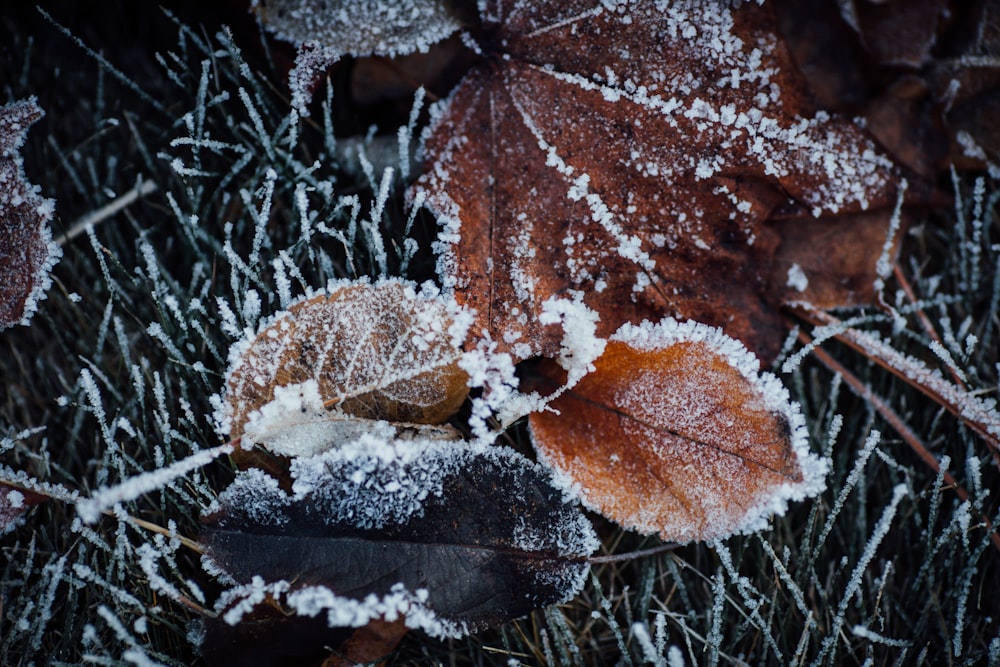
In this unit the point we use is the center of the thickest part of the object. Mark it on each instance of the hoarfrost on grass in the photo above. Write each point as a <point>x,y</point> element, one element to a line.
<point>352,27</point>
<point>91,508</point>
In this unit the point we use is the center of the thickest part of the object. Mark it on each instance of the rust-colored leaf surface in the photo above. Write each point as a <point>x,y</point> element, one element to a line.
<point>27,252</point>
<point>677,432</point>
<point>376,351</point>
<point>634,154</point>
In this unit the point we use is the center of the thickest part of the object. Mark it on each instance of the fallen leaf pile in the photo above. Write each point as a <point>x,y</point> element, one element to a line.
<point>624,166</point>
<point>27,252</point>
<point>367,518</point>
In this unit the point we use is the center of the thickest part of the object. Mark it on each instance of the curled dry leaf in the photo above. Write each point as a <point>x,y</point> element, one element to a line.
<point>27,252</point>
<point>451,537</point>
<point>634,153</point>
<point>374,351</point>
<point>677,432</point>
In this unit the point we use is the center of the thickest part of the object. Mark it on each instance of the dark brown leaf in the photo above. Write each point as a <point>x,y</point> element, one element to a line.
<point>897,32</point>
<point>633,154</point>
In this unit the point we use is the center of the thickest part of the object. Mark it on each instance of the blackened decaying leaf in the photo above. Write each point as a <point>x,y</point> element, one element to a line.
<point>633,153</point>
<point>677,432</point>
<point>379,351</point>
<point>27,252</point>
<point>451,536</point>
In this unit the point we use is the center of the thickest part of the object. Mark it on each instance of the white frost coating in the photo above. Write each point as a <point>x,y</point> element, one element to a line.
<point>90,509</point>
<point>494,372</point>
<point>398,603</point>
<point>775,399</point>
<point>236,602</point>
<point>295,423</point>
<point>649,653</point>
<point>375,480</point>
<point>884,264</point>
<point>858,573</point>
<point>797,278</point>
<point>978,411</point>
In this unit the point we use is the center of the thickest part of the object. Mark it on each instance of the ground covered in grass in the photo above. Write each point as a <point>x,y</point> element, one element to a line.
<point>226,205</point>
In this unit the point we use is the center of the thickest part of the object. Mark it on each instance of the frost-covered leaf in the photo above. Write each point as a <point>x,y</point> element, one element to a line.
<point>678,432</point>
<point>633,152</point>
<point>450,536</point>
<point>328,30</point>
<point>27,252</point>
<point>360,27</point>
<point>375,351</point>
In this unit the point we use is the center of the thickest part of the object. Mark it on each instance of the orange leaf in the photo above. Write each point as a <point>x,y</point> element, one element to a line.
<point>677,432</point>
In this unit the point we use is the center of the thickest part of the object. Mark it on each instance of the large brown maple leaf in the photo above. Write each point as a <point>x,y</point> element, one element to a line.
<point>634,152</point>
